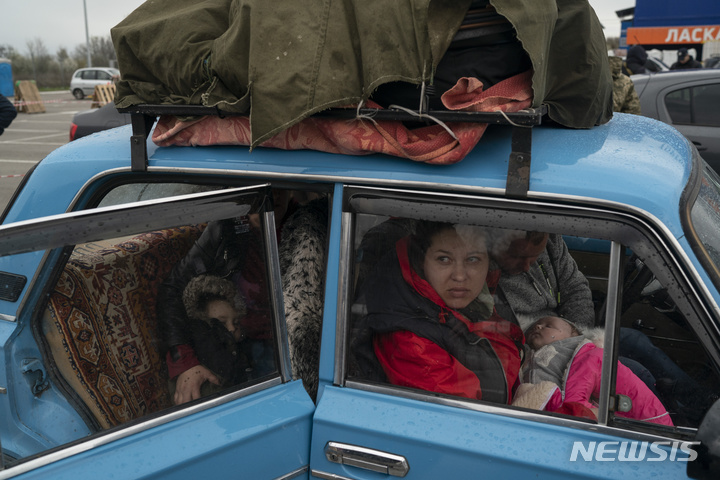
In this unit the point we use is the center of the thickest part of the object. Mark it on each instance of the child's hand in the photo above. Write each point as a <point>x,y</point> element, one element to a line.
<point>189,383</point>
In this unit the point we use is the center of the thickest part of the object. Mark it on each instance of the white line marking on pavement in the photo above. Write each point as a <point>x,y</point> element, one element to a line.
<point>27,130</point>
<point>32,139</point>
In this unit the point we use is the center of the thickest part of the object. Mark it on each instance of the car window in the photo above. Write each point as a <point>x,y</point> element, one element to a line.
<point>101,322</point>
<point>137,192</point>
<point>694,105</point>
<point>460,302</point>
<point>706,98</point>
<point>302,218</point>
<point>127,318</point>
<point>678,104</point>
<point>656,335</point>
<point>89,75</point>
<point>705,221</point>
<point>103,75</point>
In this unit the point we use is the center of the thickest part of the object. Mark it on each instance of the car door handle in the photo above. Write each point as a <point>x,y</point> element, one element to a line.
<point>367,458</point>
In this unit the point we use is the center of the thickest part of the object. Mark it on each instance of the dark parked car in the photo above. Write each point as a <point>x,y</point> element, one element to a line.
<point>91,121</point>
<point>687,100</point>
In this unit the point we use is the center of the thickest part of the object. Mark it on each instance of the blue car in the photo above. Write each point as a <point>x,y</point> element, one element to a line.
<point>100,230</point>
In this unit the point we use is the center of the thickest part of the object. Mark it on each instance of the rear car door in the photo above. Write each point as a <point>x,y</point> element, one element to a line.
<point>368,426</point>
<point>691,108</point>
<point>84,391</point>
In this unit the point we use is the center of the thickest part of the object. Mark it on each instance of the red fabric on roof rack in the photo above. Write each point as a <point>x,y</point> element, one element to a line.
<point>362,136</point>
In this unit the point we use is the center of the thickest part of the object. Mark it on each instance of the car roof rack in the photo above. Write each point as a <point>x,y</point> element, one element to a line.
<point>518,179</point>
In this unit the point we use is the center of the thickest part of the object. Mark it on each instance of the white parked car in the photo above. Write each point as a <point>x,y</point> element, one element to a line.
<point>84,80</point>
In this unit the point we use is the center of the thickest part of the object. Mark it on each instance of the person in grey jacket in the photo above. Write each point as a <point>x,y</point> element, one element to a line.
<point>540,278</point>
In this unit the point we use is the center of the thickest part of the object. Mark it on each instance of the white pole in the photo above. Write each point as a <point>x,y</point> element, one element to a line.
<point>87,36</point>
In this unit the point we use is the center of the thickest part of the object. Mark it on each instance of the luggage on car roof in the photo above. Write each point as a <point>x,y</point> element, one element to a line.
<point>280,62</point>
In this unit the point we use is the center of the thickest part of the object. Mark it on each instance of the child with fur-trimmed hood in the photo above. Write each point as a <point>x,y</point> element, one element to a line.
<point>563,371</point>
<point>215,309</point>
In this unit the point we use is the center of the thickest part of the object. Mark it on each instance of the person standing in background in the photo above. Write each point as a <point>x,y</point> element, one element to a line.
<point>625,98</point>
<point>636,58</point>
<point>685,61</point>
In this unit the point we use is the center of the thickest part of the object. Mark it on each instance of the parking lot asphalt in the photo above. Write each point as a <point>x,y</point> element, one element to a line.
<point>32,136</point>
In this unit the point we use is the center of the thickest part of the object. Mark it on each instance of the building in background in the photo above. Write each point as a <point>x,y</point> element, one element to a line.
<point>668,25</point>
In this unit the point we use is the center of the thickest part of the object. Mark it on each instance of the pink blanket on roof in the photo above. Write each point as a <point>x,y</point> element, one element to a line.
<point>363,136</point>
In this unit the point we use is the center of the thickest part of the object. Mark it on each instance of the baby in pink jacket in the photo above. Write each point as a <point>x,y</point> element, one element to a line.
<point>572,360</point>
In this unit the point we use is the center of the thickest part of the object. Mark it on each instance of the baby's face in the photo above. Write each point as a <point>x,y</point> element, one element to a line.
<point>548,330</point>
<point>227,315</point>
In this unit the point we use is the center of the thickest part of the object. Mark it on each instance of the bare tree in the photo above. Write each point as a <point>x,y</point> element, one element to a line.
<point>65,64</point>
<point>7,51</point>
<point>39,57</point>
<point>80,55</point>
<point>102,52</point>
<point>54,70</point>
<point>36,47</point>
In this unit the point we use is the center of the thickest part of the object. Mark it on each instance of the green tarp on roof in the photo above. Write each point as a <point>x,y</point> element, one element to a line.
<point>281,61</point>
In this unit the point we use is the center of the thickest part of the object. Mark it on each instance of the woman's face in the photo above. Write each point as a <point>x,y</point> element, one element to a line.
<point>456,266</point>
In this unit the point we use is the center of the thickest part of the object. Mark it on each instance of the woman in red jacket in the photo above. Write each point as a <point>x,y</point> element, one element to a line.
<point>431,317</point>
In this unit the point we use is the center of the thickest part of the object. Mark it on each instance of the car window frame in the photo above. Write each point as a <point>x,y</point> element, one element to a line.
<point>716,87</point>
<point>690,87</point>
<point>46,234</point>
<point>632,228</point>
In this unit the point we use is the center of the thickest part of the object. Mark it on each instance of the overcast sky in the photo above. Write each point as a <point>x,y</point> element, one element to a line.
<point>61,23</point>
